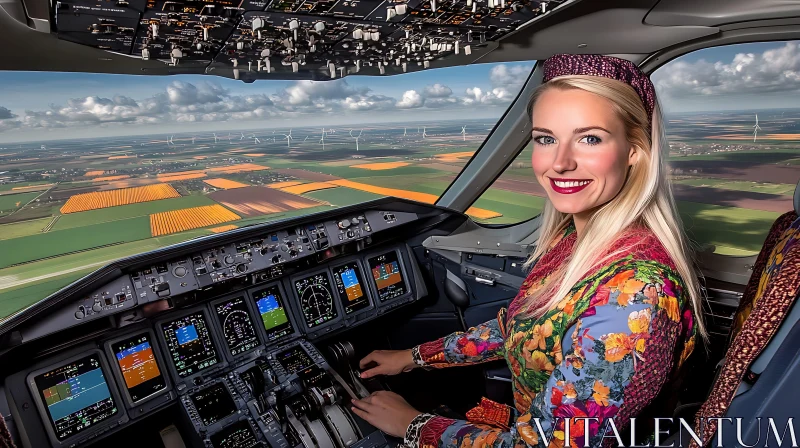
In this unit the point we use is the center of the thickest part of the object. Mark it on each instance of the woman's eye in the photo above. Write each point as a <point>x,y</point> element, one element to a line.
<point>591,140</point>
<point>544,140</point>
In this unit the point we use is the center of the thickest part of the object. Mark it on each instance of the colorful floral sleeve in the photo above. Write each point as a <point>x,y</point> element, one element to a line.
<point>479,344</point>
<point>617,356</point>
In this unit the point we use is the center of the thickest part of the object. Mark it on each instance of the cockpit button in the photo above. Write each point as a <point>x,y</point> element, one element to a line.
<point>79,314</point>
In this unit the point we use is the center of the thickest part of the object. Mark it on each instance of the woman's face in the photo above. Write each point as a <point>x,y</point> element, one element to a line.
<point>580,151</point>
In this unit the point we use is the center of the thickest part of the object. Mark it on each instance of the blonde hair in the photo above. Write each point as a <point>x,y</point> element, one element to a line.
<point>645,198</point>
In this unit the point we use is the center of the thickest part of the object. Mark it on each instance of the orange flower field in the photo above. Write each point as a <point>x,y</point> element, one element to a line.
<point>94,173</point>
<point>412,195</point>
<point>176,221</point>
<point>221,229</point>
<point>287,183</point>
<point>113,198</point>
<point>305,188</point>
<point>224,183</point>
<point>381,166</point>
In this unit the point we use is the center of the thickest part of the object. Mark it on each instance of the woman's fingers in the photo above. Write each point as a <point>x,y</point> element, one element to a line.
<point>367,359</point>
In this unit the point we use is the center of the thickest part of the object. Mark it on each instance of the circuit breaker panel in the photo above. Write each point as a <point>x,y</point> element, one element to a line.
<point>302,39</point>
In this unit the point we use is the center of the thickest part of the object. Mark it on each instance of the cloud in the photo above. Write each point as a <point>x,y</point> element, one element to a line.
<point>411,99</point>
<point>437,91</point>
<point>6,114</point>
<point>772,71</point>
<point>493,97</point>
<point>510,77</point>
<point>210,102</point>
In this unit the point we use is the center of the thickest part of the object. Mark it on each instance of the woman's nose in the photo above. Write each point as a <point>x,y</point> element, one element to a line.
<point>564,160</point>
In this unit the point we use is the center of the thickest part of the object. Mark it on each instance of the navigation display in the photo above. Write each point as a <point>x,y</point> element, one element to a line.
<point>350,284</point>
<point>138,365</point>
<point>76,396</point>
<point>189,343</point>
<point>316,299</point>
<point>273,314</point>
<point>237,327</point>
<point>294,360</point>
<point>213,404</point>
<point>388,276</point>
<point>237,435</point>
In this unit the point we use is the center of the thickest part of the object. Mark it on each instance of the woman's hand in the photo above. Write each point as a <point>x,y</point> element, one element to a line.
<point>389,362</point>
<point>386,411</point>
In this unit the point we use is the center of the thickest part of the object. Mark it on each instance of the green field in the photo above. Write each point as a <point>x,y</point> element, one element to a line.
<point>24,228</point>
<point>342,196</point>
<point>515,207</point>
<point>755,187</point>
<point>81,219</point>
<point>735,231</point>
<point>15,201</point>
<point>59,242</point>
<point>9,187</point>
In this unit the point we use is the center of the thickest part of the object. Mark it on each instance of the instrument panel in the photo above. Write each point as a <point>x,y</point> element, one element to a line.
<point>258,297</point>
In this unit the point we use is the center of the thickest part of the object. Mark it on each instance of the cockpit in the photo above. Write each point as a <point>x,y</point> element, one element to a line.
<point>195,263</point>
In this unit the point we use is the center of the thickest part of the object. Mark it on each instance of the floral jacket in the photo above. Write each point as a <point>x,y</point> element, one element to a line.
<point>603,354</point>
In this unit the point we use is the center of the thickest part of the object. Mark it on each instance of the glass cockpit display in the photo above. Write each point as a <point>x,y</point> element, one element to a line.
<point>237,327</point>
<point>237,435</point>
<point>189,343</point>
<point>76,396</point>
<point>350,284</point>
<point>273,315</point>
<point>388,276</point>
<point>213,404</point>
<point>316,299</point>
<point>294,360</point>
<point>139,367</point>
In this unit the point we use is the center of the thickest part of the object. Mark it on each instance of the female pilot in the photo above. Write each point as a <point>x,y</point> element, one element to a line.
<point>608,310</point>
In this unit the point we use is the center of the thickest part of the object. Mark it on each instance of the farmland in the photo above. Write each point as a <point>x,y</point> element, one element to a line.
<point>96,203</point>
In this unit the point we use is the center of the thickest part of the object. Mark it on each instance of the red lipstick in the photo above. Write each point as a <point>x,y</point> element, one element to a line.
<point>568,186</point>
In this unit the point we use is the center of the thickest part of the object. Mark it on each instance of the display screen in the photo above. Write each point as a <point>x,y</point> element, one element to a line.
<point>139,367</point>
<point>294,359</point>
<point>273,314</point>
<point>388,276</point>
<point>76,396</point>
<point>237,435</point>
<point>350,284</point>
<point>213,404</point>
<point>189,343</point>
<point>316,299</point>
<point>237,327</point>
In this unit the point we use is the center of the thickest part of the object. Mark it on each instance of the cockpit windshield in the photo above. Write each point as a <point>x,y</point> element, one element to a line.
<point>96,167</point>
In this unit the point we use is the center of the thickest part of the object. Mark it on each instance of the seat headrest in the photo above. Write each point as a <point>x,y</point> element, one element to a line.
<point>797,198</point>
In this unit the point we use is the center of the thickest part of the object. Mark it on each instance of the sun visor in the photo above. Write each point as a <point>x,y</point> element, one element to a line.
<point>716,13</point>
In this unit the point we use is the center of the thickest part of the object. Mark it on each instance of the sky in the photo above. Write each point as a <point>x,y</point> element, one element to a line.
<point>38,106</point>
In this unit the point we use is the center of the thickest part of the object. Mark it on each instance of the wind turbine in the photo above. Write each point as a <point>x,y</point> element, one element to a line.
<point>169,142</point>
<point>242,136</point>
<point>464,132</point>
<point>322,140</point>
<point>288,139</point>
<point>755,129</point>
<point>304,140</point>
<point>229,138</point>
<point>255,139</point>
<point>356,137</point>
<point>404,131</point>
<point>215,138</point>
<point>424,134</point>
<point>193,137</point>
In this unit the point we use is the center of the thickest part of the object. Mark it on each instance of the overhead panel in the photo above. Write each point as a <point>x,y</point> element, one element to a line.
<point>285,39</point>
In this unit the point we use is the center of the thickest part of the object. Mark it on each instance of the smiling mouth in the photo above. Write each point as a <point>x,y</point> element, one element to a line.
<point>568,186</point>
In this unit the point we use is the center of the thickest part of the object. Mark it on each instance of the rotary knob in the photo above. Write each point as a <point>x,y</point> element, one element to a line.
<point>241,268</point>
<point>180,271</point>
<point>229,259</point>
<point>97,307</point>
<point>344,224</point>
